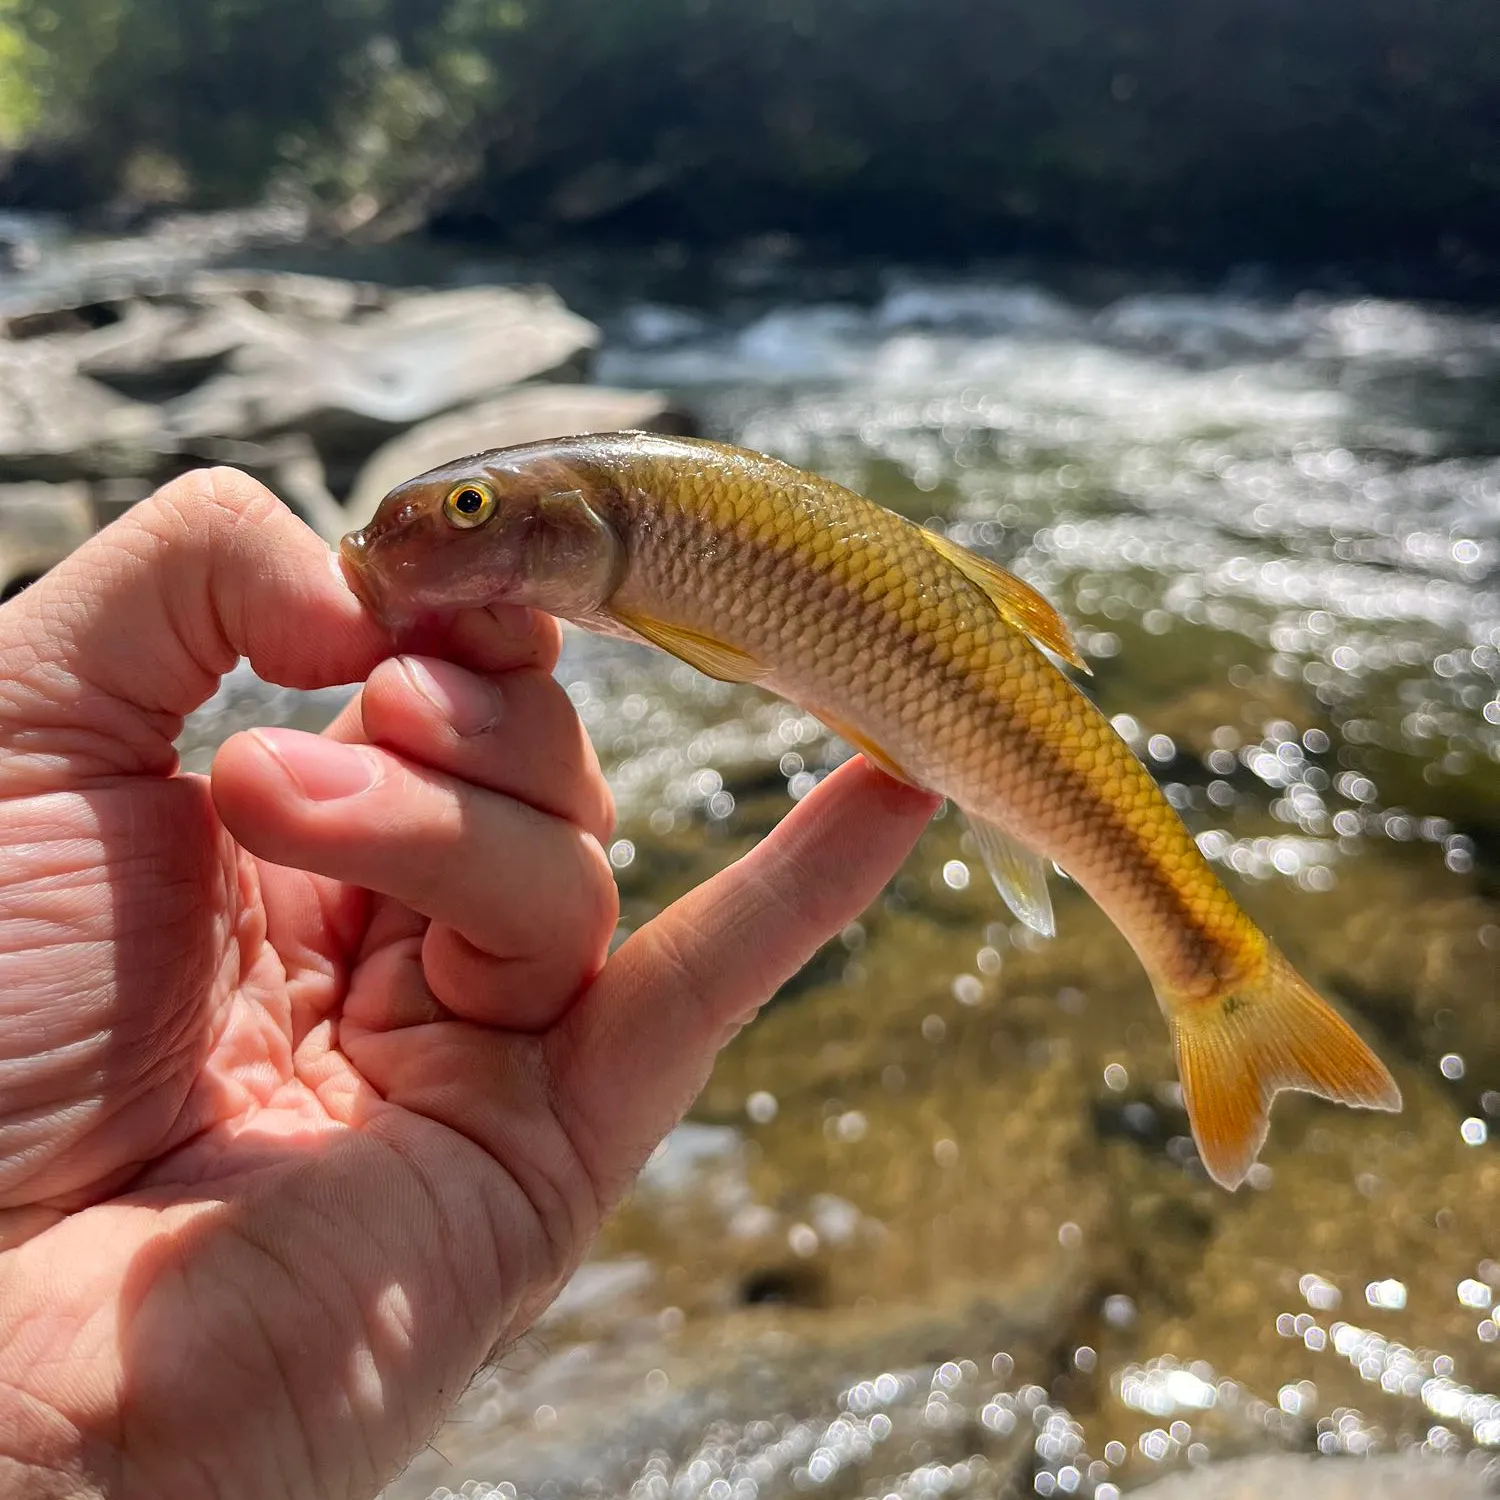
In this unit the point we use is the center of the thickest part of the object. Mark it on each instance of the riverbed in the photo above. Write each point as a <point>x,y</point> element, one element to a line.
<point>937,1227</point>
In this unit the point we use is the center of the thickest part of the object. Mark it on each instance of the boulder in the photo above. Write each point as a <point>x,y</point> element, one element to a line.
<point>56,423</point>
<point>160,349</point>
<point>295,296</point>
<point>68,274</point>
<point>140,380</point>
<point>522,416</point>
<point>346,381</point>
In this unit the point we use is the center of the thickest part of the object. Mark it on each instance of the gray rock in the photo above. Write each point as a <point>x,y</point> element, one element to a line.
<point>39,525</point>
<point>630,1402</point>
<point>522,416</point>
<point>73,274</point>
<point>56,423</point>
<point>294,296</point>
<point>1294,1475</point>
<point>242,366</point>
<point>159,349</point>
<point>421,356</point>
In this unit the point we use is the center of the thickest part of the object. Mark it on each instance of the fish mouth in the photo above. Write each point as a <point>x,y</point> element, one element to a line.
<point>362,578</point>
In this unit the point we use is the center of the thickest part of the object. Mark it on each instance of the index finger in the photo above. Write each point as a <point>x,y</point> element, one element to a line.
<point>109,651</point>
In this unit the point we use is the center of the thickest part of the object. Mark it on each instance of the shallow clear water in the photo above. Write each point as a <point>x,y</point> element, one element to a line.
<point>939,1228</point>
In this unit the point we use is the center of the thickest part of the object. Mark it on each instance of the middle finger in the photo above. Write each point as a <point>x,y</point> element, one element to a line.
<point>512,732</point>
<point>531,892</point>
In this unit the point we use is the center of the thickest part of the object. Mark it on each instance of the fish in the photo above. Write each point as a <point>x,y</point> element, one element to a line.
<point>933,662</point>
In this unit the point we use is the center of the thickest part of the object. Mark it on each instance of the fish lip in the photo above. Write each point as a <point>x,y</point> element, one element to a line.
<point>354,561</point>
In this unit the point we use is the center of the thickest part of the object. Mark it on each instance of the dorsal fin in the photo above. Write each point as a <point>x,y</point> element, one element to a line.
<point>1017,603</point>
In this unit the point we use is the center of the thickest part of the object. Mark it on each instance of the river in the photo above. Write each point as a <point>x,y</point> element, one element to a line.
<point>936,1227</point>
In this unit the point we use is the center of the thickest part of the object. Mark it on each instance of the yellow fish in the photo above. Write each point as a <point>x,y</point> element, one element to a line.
<point>915,650</point>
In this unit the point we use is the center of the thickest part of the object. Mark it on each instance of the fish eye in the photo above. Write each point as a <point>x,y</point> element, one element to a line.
<point>470,504</point>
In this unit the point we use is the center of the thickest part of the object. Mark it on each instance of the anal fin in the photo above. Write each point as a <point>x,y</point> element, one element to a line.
<point>714,658</point>
<point>1019,875</point>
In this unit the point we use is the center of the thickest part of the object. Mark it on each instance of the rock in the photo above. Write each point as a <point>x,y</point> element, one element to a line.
<point>56,423</point>
<point>142,377</point>
<point>114,496</point>
<point>294,296</point>
<point>347,383</point>
<point>632,1406</point>
<point>24,240</point>
<point>16,254</point>
<point>1322,1479</point>
<point>74,274</point>
<point>522,416</point>
<point>39,525</point>
<point>158,350</point>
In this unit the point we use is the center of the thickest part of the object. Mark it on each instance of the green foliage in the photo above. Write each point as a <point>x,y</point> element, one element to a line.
<point>1227,129</point>
<point>20,105</point>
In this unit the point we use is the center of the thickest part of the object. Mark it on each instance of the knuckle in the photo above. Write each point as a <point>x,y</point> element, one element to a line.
<point>771,897</point>
<point>672,967</point>
<point>585,797</point>
<point>209,495</point>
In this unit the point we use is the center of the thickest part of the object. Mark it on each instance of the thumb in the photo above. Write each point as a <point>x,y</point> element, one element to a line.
<point>634,1052</point>
<point>105,655</point>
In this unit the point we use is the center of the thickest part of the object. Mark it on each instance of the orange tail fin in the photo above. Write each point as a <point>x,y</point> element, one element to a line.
<point>1236,1053</point>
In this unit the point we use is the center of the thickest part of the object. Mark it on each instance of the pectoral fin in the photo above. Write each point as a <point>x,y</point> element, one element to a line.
<point>714,658</point>
<point>1019,875</point>
<point>875,754</point>
<point>1016,602</point>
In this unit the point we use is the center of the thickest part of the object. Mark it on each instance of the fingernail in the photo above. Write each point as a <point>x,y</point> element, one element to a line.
<point>468,702</point>
<point>322,770</point>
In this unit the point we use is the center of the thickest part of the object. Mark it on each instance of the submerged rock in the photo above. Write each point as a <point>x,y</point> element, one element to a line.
<point>783,1399</point>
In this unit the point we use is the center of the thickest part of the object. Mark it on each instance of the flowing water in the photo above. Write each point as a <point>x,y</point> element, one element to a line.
<point>937,1227</point>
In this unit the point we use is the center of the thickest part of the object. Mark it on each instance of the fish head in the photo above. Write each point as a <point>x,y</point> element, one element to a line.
<point>517,526</point>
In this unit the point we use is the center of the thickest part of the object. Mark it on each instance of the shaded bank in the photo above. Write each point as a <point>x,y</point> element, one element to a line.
<point>1204,133</point>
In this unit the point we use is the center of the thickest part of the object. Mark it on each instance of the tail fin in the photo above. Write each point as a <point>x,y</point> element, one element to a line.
<point>1236,1053</point>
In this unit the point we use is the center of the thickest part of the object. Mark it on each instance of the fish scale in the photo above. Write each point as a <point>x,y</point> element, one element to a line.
<point>925,656</point>
<point>890,596</point>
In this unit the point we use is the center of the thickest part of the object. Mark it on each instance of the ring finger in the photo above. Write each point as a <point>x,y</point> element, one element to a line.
<point>531,894</point>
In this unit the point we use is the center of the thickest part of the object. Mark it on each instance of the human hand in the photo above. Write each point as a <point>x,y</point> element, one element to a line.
<point>314,1081</point>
